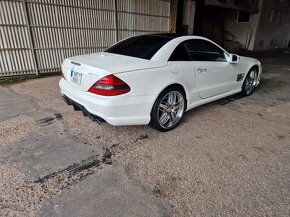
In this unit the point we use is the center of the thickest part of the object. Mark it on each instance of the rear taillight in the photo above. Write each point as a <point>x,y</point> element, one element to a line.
<point>110,86</point>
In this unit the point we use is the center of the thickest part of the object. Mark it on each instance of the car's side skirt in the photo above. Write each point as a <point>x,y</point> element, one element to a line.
<point>211,99</point>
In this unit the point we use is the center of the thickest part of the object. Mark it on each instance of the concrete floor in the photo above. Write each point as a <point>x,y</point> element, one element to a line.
<point>227,158</point>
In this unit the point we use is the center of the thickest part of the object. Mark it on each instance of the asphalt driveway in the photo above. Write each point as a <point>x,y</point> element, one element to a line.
<point>227,158</point>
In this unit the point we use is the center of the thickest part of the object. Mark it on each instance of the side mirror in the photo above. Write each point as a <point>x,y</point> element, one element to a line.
<point>234,58</point>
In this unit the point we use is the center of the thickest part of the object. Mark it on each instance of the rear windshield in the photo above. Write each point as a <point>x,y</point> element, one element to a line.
<point>140,46</point>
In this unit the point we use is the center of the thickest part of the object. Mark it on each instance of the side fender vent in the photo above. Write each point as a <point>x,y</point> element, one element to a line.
<point>240,76</point>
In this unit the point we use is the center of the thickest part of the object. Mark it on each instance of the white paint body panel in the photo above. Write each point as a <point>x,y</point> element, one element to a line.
<point>147,79</point>
<point>218,78</point>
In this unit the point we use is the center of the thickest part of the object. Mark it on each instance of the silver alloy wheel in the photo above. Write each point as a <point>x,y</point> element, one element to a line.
<point>251,81</point>
<point>170,109</point>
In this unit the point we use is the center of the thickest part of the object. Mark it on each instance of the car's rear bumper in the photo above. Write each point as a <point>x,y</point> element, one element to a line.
<point>116,110</point>
<point>79,107</point>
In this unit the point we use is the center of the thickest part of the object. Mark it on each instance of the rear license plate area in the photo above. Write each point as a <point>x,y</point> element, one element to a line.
<point>75,77</point>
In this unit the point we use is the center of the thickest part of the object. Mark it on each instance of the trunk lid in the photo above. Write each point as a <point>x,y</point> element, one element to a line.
<point>83,71</point>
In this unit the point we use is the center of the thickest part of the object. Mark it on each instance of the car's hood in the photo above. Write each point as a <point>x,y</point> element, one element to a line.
<point>115,63</point>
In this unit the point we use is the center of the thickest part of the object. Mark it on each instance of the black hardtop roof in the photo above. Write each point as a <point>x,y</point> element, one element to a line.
<point>167,35</point>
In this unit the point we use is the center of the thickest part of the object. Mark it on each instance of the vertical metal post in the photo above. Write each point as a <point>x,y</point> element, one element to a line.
<point>131,17</point>
<point>116,19</point>
<point>31,40</point>
<point>173,15</point>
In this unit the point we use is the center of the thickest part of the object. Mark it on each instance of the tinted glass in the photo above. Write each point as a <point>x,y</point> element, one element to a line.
<point>140,46</point>
<point>201,50</point>
<point>179,54</point>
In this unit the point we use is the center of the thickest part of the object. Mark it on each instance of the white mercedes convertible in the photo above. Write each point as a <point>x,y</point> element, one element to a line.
<point>154,79</point>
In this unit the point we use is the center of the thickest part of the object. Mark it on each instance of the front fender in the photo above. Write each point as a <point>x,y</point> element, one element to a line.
<point>246,63</point>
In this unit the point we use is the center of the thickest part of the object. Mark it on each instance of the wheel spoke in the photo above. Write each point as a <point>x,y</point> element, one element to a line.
<point>252,75</point>
<point>247,87</point>
<point>172,117</point>
<point>171,99</point>
<point>178,105</point>
<point>163,107</point>
<point>164,118</point>
<point>175,98</point>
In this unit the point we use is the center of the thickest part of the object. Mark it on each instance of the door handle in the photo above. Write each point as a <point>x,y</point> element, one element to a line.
<point>200,70</point>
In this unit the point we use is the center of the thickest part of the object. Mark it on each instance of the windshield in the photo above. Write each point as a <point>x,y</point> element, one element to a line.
<point>144,46</point>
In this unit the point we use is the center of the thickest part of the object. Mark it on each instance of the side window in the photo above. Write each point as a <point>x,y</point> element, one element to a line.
<point>179,54</point>
<point>202,50</point>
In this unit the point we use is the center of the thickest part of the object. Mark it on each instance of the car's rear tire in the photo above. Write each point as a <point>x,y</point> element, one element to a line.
<point>168,109</point>
<point>250,82</point>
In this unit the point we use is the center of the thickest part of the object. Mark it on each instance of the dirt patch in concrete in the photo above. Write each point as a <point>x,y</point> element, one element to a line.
<point>14,129</point>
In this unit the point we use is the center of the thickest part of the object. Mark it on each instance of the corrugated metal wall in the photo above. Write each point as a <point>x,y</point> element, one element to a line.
<point>36,35</point>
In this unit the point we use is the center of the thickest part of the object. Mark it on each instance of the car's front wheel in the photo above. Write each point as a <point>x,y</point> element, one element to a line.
<point>168,109</point>
<point>250,82</point>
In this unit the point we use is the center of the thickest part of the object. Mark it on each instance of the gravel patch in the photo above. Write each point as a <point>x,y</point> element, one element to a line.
<point>14,129</point>
<point>45,92</point>
<point>219,167</point>
<point>23,197</point>
<point>19,197</point>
